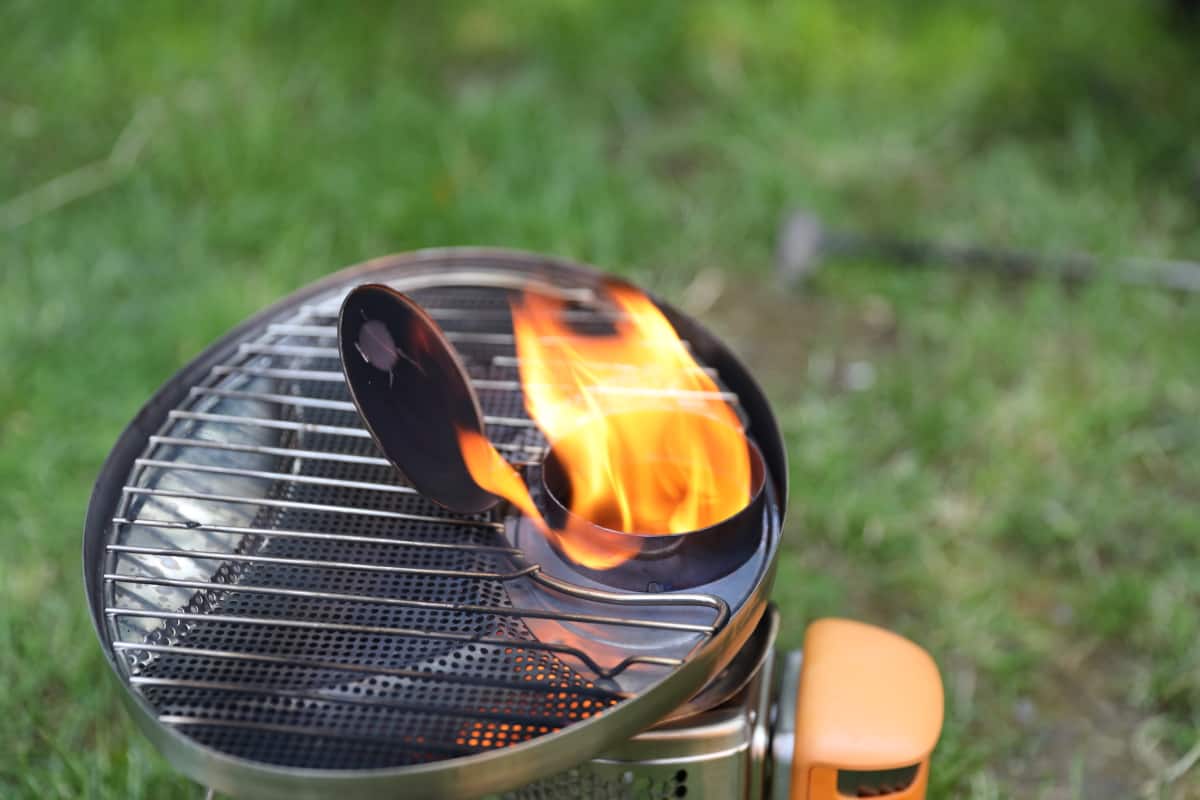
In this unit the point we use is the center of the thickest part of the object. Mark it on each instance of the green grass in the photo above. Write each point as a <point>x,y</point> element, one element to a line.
<point>1017,490</point>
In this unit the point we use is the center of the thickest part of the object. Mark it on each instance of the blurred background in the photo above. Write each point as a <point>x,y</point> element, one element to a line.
<point>1006,471</point>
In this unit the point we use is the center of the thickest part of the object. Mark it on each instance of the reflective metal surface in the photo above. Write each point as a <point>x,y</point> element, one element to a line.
<point>291,618</point>
<point>412,393</point>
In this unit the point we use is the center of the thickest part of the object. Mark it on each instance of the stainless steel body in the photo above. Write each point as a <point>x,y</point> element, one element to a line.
<point>737,749</point>
<point>291,620</point>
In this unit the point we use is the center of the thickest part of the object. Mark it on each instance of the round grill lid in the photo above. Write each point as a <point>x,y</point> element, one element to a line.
<point>290,617</point>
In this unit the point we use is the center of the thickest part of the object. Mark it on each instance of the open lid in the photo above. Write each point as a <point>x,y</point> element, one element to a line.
<point>412,392</point>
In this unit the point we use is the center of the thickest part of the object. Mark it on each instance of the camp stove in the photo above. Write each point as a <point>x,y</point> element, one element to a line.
<point>289,616</point>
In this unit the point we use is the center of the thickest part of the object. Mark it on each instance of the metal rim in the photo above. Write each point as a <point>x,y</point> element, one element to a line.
<point>675,560</point>
<point>476,774</point>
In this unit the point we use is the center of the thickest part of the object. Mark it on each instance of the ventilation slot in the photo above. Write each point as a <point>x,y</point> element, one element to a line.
<point>876,783</point>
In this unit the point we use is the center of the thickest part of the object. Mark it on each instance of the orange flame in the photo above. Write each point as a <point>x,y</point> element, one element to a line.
<point>643,433</point>
<point>492,472</point>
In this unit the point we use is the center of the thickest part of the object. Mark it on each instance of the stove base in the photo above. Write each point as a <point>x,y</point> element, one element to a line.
<point>724,752</point>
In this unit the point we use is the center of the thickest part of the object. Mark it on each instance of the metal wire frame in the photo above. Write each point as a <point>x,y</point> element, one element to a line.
<point>335,376</point>
<point>305,326</point>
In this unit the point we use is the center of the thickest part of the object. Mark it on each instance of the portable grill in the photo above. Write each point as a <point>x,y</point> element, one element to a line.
<point>289,617</point>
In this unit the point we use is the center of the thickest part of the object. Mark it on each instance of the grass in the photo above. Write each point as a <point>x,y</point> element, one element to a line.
<point>1017,488</point>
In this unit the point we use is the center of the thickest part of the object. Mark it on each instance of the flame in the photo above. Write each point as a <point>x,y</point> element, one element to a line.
<point>492,472</point>
<point>643,433</point>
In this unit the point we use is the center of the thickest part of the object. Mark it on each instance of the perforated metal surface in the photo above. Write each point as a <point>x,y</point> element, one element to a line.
<point>277,592</point>
<point>606,782</point>
<point>716,754</point>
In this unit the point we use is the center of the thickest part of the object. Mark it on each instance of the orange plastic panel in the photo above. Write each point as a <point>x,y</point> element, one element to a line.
<point>869,700</point>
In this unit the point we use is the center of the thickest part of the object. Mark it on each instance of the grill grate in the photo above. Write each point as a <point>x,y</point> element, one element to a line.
<point>276,591</point>
<point>608,782</point>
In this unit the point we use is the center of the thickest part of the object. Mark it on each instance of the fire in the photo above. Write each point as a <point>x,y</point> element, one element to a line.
<point>643,433</point>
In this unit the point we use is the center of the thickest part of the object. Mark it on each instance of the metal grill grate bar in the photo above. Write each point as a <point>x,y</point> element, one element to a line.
<point>512,362</point>
<point>278,424</point>
<point>268,450</point>
<point>294,350</point>
<point>309,427</point>
<point>309,731</point>
<point>319,375</point>
<point>284,533</point>
<point>506,362</point>
<point>293,329</point>
<point>331,697</point>
<point>332,376</point>
<point>297,400</point>
<point>300,730</point>
<point>466,337</point>
<point>302,401</point>
<point>614,389</point>
<point>718,605</point>
<point>357,669</point>
<point>330,331</point>
<point>410,633</point>
<point>498,315</point>
<point>500,611</point>
<point>314,480</point>
<point>173,552</point>
<point>273,503</point>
